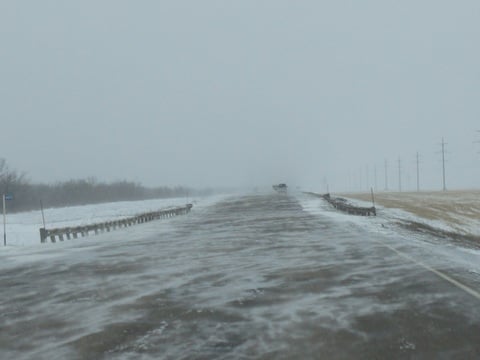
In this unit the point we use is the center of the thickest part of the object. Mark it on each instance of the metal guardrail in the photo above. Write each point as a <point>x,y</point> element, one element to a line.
<point>85,230</point>
<point>342,205</point>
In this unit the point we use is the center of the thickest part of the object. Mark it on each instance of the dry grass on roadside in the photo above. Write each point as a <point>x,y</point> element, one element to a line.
<point>453,207</point>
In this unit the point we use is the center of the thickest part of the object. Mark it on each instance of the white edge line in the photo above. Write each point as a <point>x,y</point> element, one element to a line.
<point>452,281</point>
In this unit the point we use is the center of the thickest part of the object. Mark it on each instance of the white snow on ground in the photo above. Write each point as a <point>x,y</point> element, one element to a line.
<point>23,228</point>
<point>453,211</point>
<point>437,253</point>
<point>231,264</point>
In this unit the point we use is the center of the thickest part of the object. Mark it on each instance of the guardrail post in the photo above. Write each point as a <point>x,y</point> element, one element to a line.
<point>43,235</point>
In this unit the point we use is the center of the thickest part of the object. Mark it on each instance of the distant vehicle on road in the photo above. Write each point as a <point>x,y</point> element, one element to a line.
<point>281,188</point>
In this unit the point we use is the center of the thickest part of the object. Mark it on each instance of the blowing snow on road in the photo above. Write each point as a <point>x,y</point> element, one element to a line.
<point>264,276</point>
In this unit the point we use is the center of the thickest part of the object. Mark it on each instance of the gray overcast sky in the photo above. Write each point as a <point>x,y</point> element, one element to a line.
<point>241,92</point>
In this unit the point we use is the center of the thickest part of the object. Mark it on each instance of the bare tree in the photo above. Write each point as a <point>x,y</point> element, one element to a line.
<point>10,180</point>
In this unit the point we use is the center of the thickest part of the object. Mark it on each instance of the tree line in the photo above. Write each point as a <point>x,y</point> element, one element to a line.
<point>27,195</point>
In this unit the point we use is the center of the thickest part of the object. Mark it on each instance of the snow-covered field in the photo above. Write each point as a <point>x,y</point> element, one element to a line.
<point>23,228</point>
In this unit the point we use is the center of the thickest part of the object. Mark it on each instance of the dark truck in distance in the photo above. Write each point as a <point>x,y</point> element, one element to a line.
<point>281,188</point>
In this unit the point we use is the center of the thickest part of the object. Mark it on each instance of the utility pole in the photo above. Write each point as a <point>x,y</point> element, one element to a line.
<point>477,141</point>
<point>375,175</point>
<point>443,164</point>
<point>418,172</point>
<point>399,175</point>
<point>368,177</point>
<point>349,181</point>
<point>4,222</point>
<point>386,175</point>
<point>43,215</point>
<point>360,179</point>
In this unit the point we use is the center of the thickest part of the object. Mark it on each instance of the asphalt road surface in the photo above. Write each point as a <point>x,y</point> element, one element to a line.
<point>261,276</point>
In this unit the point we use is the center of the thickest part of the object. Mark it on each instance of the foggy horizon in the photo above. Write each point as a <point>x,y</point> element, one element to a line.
<point>242,94</point>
